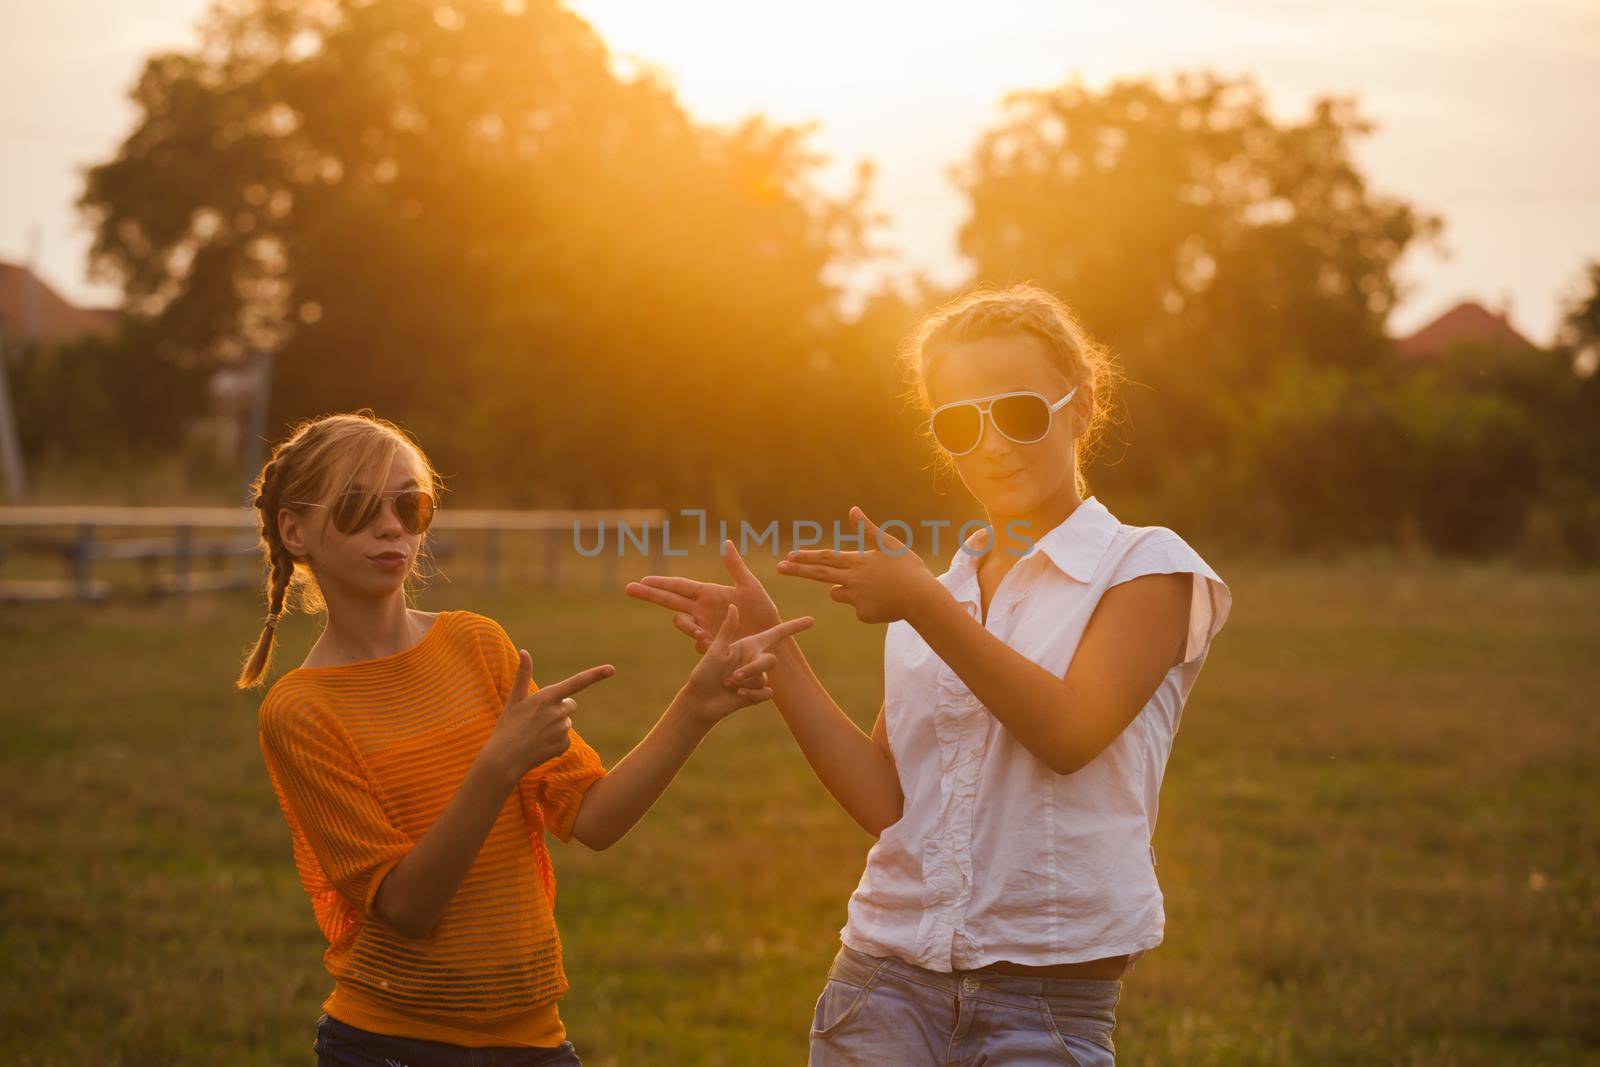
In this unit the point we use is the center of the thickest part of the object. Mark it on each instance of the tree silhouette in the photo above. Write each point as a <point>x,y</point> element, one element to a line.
<point>463,216</point>
<point>1202,239</point>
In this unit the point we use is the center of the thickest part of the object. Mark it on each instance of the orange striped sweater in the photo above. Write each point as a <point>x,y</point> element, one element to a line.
<point>363,758</point>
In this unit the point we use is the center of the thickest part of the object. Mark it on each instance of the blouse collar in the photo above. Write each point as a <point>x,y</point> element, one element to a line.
<point>1076,545</point>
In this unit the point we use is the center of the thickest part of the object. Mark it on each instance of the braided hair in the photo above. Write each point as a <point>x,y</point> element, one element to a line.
<point>307,466</point>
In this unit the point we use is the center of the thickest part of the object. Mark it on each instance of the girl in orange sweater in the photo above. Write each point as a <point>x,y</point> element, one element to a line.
<point>418,766</point>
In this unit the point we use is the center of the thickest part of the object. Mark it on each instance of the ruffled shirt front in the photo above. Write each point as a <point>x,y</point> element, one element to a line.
<point>996,856</point>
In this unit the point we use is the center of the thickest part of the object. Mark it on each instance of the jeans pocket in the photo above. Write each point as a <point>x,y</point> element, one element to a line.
<point>342,1045</point>
<point>1084,1046</point>
<point>320,1043</point>
<point>839,1003</point>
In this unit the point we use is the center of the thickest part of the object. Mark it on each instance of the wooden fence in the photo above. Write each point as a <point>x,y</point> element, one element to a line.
<point>187,550</point>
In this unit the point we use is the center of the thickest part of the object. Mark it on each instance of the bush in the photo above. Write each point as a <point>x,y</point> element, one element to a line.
<point>100,397</point>
<point>1333,458</point>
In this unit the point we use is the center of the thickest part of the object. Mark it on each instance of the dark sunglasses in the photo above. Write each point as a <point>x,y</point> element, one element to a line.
<point>1023,417</point>
<point>356,509</point>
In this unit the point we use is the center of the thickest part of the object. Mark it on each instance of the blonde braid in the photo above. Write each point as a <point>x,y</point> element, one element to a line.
<point>319,457</point>
<point>279,576</point>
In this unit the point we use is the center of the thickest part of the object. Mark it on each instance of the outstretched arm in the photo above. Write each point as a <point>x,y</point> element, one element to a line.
<point>731,675</point>
<point>855,768</point>
<point>614,804</point>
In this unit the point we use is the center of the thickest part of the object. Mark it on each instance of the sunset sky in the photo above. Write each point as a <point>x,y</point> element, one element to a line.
<point>1489,113</point>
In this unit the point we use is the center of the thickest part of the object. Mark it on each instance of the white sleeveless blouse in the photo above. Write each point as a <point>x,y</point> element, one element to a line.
<point>996,856</point>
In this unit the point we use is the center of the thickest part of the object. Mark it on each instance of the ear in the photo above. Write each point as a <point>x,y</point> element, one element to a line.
<point>1082,408</point>
<point>291,533</point>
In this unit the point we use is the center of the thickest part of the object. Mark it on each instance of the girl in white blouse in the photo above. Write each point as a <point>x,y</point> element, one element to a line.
<point>1032,693</point>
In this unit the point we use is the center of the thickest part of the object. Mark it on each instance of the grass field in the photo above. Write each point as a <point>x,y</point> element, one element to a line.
<point>1379,836</point>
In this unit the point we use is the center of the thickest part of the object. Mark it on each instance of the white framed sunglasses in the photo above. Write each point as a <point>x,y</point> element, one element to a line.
<point>1023,417</point>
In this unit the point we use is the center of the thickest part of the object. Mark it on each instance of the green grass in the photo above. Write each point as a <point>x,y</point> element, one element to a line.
<point>1379,836</point>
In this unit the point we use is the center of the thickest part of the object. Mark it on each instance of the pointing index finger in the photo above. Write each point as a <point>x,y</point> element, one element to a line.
<point>653,594</point>
<point>685,587</point>
<point>577,682</point>
<point>814,571</point>
<point>773,634</point>
<point>826,557</point>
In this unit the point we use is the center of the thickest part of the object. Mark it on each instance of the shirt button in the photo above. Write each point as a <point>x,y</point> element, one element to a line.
<point>969,984</point>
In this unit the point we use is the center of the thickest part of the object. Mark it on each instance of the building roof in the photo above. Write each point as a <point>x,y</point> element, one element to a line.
<point>1466,323</point>
<point>32,311</point>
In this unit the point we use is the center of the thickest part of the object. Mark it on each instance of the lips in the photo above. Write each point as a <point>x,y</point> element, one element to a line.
<point>390,555</point>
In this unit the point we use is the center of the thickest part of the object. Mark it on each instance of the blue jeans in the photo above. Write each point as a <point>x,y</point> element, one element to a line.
<point>884,1012</point>
<point>342,1045</point>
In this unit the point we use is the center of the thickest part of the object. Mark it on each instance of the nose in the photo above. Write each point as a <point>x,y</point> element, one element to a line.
<point>388,521</point>
<point>990,439</point>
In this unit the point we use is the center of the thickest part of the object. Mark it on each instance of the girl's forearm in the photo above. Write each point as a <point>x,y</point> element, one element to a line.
<point>613,805</point>
<point>1027,699</point>
<point>846,760</point>
<point>416,889</point>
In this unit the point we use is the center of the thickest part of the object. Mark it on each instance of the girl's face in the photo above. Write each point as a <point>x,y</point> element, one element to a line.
<point>370,562</point>
<point>1007,478</point>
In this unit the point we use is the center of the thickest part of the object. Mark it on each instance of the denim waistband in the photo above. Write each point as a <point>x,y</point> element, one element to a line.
<point>334,1036</point>
<point>1091,1001</point>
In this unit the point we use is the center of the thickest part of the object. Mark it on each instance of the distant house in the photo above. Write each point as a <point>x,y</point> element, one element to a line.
<point>1469,323</point>
<point>33,313</point>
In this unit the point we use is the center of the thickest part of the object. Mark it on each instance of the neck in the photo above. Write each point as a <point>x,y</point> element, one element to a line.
<point>362,628</point>
<point>1034,523</point>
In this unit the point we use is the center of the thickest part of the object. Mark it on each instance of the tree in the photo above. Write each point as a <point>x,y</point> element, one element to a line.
<point>1202,239</point>
<point>1573,418</point>
<point>1579,334</point>
<point>122,395</point>
<point>461,215</point>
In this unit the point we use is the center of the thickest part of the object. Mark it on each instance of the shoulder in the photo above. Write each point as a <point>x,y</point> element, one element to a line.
<point>289,697</point>
<point>471,626</point>
<point>1139,550</point>
<point>492,645</point>
<point>295,708</point>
